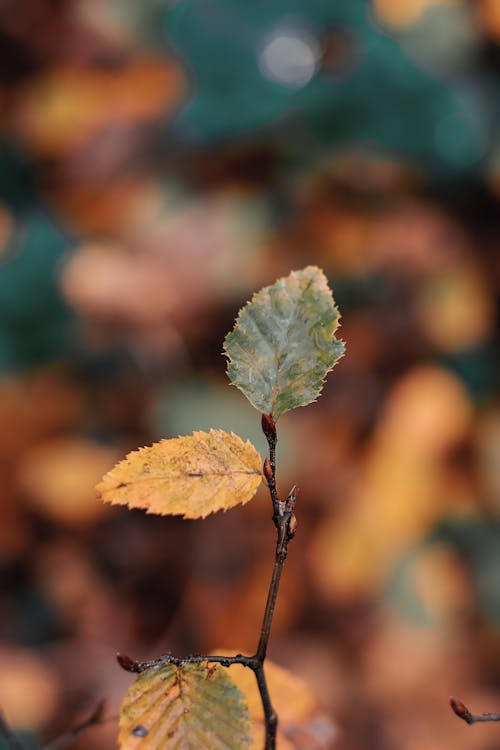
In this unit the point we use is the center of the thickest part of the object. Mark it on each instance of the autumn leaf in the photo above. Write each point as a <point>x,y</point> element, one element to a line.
<point>194,706</point>
<point>190,476</point>
<point>283,343</point>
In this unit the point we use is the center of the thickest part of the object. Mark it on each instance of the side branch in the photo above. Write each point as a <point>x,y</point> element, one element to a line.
<point>461,710</point>
<point>130,665</point>
<point>67,739</point>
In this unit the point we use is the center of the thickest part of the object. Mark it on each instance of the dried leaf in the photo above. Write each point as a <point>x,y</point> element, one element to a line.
<point>190,476</point>
<point>194,706</point>
<point>283,344</point>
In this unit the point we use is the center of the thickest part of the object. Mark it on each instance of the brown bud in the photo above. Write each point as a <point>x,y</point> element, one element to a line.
<point>268,426</point>
<point>460,709</point>
<point>292,526</point>
<point>267,470</point>
<point>126,663</point>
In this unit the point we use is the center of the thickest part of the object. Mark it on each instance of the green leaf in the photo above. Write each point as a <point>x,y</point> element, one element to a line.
<point>192,706</point>
<point>283,342</point>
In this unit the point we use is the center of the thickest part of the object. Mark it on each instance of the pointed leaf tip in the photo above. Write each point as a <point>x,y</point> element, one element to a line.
<point>190,476</point>
<point>283,343</point>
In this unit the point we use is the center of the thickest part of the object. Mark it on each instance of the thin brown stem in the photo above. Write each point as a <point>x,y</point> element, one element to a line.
<point>269,469</point>
<point>270,715</point>
<point>269,429</point>
<point>282,518</point>
<point>67,739</point>
<point>272,594</point>
<point>64,740</point>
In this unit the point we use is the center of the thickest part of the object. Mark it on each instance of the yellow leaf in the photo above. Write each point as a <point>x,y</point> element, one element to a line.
<point>190,476</point>
<point>194,706</point>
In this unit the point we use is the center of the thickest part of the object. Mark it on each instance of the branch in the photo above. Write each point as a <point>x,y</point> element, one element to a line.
<point>285,522</point>
<point>69,737</point>
<point>130,665</point>
<point>461,710</point>
<point>270,715</point>
<point>10,738</point>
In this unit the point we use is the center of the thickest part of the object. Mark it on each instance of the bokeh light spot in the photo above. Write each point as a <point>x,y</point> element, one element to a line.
<point>290,57</point>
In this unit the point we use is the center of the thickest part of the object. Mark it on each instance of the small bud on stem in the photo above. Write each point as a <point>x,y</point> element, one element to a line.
<point>460,709</point>
<point>126,663</point>
<point>267,470</point>
<point>268,427</point>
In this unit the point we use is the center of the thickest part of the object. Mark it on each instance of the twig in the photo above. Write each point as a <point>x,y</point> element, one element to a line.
<point>281,552</point>
<point>269,469</point>
<point>270,715</point>
<point>284,520</point>
<point>461,710</point>
<point>141,666</point>
<point>69,737</point>
<point>10,738</point>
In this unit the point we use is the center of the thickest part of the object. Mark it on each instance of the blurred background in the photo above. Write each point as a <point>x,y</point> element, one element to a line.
<point>159,162</point>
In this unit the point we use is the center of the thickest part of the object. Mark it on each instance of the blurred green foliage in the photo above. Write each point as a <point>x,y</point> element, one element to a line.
<point>33,315</point>
<point>373,94</point>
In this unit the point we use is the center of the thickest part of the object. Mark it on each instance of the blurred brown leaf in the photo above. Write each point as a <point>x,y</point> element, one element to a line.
<point>455,308</point>
<point>62,109</point>
<point>29,688</point>
<point>400,492</point>
<point>34,406</point>
<point>58,477</point>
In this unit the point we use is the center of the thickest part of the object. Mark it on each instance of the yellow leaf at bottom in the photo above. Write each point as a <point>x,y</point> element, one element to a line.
<point>190,476</point>
<point>195,706</point>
